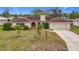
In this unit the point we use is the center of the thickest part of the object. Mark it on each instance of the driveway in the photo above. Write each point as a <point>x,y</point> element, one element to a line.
<point>71,39</point>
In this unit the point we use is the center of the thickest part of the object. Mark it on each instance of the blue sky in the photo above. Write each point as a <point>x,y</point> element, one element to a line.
<point>27,10</point>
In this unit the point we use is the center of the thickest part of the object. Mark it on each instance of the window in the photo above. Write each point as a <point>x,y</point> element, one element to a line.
<point>20,23</point>
<point>8,20</point>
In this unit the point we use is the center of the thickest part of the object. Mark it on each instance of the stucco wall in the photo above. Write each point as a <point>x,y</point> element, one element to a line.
<point>2,22</point>
<point>76,23</point>
<point>13,23</point>
<point>59,25</point>
<point>42,18</point>
<point>26,23</point>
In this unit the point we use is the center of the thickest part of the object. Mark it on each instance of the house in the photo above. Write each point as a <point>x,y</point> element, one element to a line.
<point>76,22</point>
<point>5,20</point>
<point>53,23</point>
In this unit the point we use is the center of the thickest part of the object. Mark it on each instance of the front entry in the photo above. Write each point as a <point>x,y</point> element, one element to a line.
<point>33,24</point>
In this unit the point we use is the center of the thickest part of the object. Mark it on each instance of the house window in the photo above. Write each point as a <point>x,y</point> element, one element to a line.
<point>8,20</point>
<point>20,24</point>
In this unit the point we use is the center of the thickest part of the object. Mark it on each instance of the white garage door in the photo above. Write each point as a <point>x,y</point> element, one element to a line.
<point>58,25</point>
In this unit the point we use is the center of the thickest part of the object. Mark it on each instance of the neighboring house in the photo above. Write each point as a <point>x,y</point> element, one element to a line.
<point>76,22</point>
<point>5,20</point>
<point>53,23</point>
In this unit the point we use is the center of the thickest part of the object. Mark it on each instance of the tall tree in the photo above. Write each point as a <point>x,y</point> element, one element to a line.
<point>66,15</point>
<point>15,15</point>
<point>6,13</point>
<point>73,15</point>
<point>37,12</point>
<point>56,12</point>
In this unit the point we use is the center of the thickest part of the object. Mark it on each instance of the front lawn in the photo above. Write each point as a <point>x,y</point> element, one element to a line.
<point>30,40</point>
<point>1,28</point>
<point>75,29</point>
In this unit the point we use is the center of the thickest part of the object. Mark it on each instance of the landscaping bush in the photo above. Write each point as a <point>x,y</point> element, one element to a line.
<point>18,27</point>
<point>7,26</point>
<point>46,25</point>
<point>43,25</point>
<point>23,26</point>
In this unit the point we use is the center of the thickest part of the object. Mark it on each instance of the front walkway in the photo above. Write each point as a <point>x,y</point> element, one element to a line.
<point>71,39</point>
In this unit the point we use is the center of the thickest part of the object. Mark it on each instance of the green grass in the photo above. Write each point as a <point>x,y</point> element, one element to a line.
<point>30,40</point>
<point>1,28</point>
<point>75,29</point>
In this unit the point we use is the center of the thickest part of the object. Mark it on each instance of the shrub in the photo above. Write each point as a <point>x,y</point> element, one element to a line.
<point>23,26</point>
<point>18,27</point>
<point>46,25</point>
<point>43,25</point>
<point>7,26</point>
<point>18,30</point>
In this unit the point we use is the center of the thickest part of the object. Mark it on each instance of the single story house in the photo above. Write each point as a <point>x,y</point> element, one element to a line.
<point>76,22</point>
<point>53,23</point>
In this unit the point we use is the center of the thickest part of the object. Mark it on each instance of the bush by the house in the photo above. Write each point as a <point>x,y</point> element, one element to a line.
<point>46,25</point>
<point>7,26</point>
<point>23,26</point>
<point>43,25</point>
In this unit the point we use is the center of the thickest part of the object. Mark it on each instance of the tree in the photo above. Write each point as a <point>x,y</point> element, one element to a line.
<point>6,13</point>
<point>73,15</point>
<point>37,12</point>
<point>65,15</point>
<point>56,12</point>
<point>20,15</point>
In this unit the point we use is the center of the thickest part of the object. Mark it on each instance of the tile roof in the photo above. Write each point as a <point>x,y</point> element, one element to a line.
<point>58,20</point>
<point>37,19</point>
<point>21,20</point>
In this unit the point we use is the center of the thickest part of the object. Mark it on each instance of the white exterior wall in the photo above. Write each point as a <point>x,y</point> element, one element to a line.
<point>76,23</point>
<point>42,18</point>
<point>26,23</point>
<point>59,25</point>
<point>13,23</point>
<point>2,22</point>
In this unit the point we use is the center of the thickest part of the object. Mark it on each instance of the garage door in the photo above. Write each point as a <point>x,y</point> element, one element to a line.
<point>58,25</point>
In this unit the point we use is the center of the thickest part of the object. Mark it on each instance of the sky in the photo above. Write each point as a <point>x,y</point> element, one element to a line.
<point>27,10</point>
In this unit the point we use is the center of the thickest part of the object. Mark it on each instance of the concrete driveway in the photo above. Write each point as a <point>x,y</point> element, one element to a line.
<point>71,39</point>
